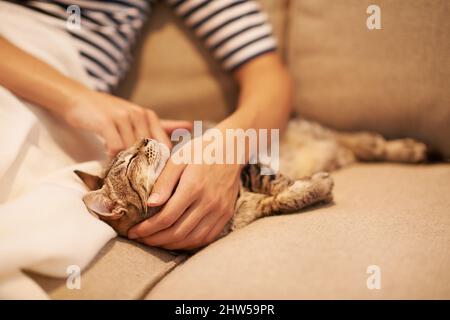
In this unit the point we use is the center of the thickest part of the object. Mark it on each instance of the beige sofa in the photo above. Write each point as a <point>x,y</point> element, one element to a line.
<point>396,217</point>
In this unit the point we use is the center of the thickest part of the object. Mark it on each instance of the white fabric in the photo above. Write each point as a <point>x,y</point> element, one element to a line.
<point>44,226</point>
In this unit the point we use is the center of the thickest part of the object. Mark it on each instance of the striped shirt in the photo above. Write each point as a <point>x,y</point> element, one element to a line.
<point>234,31</point>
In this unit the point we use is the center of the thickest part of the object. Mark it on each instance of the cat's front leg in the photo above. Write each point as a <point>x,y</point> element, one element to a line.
<point>247,209</point>
<point>301,194</point>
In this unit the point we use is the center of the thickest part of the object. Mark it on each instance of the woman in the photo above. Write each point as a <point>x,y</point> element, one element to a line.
<point>199,199</point>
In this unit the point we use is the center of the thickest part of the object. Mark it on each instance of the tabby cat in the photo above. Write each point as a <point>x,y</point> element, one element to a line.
<point>119,196</point>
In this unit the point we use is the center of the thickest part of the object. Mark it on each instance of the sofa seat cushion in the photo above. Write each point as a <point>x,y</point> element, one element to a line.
<point>122,270</point>
<point>396,217</point>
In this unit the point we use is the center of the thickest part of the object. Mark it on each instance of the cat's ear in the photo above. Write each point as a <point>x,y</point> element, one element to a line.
<point>91,181</point>
<point>98,203</point>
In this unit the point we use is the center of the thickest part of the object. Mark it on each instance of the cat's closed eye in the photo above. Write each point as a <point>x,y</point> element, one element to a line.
<point>119,162</point>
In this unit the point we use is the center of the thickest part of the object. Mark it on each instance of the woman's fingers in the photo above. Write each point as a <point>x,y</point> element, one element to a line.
<point>180,229</point>
<point>217,229</point>
<point>134,122</point>
<point>207,230</point>
<point>126,130</point>
<point>197,237</point>
<point>163,219</point>
<point>140,124</point>
<point>113,140</point>
<point>165,184</point>
<point>170,125</point>
<point>161,192</point>
<point>156,130</point>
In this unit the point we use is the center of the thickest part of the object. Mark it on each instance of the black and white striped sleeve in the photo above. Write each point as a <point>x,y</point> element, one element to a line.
<point>235,31</point>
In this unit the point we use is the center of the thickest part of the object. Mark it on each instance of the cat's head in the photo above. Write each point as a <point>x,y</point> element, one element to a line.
<point>120,197</point>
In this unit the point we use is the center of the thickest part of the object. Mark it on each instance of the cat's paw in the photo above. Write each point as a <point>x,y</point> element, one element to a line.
<point>323,185</point>
<point>406,150</point>
<point>314,189</point>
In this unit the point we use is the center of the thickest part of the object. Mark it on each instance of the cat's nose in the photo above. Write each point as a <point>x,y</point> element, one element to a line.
<point>145,141</point>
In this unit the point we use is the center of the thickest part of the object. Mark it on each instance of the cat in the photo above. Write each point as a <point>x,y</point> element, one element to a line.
<point>308,152</point>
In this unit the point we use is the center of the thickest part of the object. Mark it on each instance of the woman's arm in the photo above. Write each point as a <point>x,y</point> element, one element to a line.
<point>35,81</point>
<point>205,197</point>
<point>265,99</point>
<point>118,122</point>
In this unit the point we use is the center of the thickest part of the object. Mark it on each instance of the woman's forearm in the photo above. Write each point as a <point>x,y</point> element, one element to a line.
<point>119,122</point>
<point>265,100</point>
<point>33,80</point>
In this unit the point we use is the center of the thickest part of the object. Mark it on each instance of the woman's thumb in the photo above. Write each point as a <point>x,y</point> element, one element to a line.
<point>165,184</point>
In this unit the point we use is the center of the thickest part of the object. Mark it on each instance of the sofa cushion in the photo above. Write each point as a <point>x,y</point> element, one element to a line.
<point>393,80</point>
<point>122,270</point>
<point>392,216</point>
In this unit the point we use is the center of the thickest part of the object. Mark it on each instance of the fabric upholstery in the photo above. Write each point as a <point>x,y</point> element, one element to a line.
<point>394,216</point>
<point>122,270</point>
<point>393,80</point>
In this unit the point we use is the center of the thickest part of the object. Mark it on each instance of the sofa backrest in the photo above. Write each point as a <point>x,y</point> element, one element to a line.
<point>177,77</point>
<point>394,80</point>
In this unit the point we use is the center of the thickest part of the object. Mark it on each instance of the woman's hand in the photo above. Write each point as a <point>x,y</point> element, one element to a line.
<point>205,197</point>
<point>197,212</point>
<point>119,122</point>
